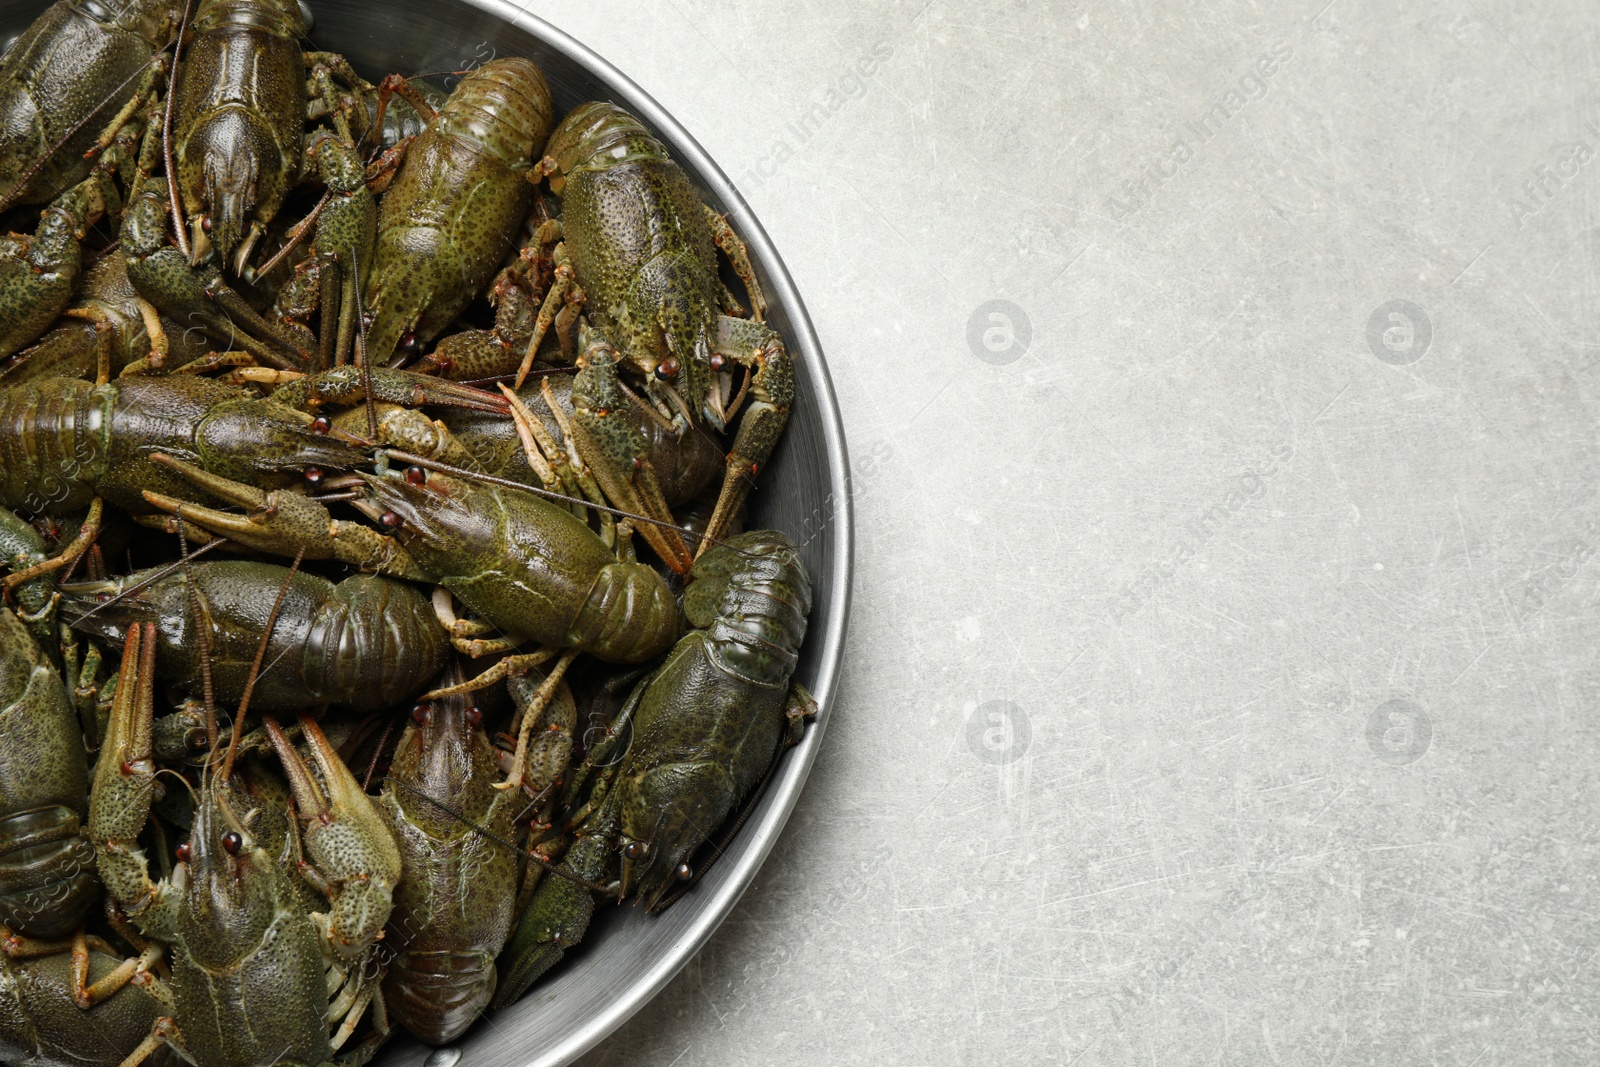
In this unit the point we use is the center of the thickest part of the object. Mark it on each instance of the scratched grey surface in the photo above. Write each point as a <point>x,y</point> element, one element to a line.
<point>1222,674</point>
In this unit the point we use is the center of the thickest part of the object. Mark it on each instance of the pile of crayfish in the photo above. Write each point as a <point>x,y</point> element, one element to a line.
<point>335,693</point>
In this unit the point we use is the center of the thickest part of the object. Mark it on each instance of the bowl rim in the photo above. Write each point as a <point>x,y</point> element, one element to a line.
<point>763,829</point>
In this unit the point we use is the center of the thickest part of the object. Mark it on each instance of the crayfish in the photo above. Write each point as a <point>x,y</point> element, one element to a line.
<point>258,813</point>
<point>705,729</point>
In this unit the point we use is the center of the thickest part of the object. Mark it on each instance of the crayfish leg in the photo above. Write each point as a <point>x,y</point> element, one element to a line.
<point>381,171</point>
<point>738,255</point>
<point>68,556</point>
<point>478,647</point>
<point>165,1032</point>
<point>561,470</point>
<point>142,96</point>
<point>335,103</point>
<point>564,291</point>
<point>399,85</point>
<point>800,708</point>
<point>87,994</point>
<point>123,788</point>
<point>102,338</point>
<point>18,947</point>
<point>771,394</point>
<point>614,450</point>
<point>350,1014</point>
<point>469,637</point>
<point>160,346</point>
<point>509,665</point>
<point>532,714</point>
<point>577,469</point>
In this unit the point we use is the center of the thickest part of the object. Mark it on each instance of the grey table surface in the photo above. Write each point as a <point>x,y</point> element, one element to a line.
<point>1221,683</point>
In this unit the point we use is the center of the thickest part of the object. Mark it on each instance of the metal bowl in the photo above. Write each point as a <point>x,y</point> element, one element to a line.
<point>629,956</point>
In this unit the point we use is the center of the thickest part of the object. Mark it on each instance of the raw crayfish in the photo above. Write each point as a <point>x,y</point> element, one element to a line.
<point>78,59</point>
<point>456,903</point>
<point>706,727</point>
<point>367,642</point>
<point>527,566</point>
<point>640,244</point>
<point>241,111</point>
<point>261,408</point>
<point>454,198</point>
<point>244,947</point>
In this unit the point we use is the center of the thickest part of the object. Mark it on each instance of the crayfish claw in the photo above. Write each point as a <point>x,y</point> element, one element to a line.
<point>353,852</point>
<point>418,390</point>
<point>349,385</point>
<point>615,451</point>
<point>123,789</point>
<point>276,521</point>
<point>238,493</point>
<point>283,523</point>
<point>555,919</point>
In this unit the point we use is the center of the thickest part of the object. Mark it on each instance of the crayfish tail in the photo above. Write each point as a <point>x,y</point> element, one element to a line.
<point>630,615</point>
<point>47,876</point>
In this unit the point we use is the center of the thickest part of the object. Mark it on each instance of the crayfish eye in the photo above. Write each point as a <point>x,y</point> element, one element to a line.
<point>718,361</point>
<point>637,850</point>
<point>667,369</point>
<point>389,520</point>
<point>683,873</point>
<point>408,342</point>
<point>313,475</point>
<point>184,852</point>
<point>416,476</point>
<point>474,716</point>
<point>320,424</point>
<point>422,714</point>
<point>205,223</point>
<point>232,842</point>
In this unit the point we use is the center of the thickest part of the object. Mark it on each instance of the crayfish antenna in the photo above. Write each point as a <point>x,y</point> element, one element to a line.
<point>362,352</point>
<point>179,223</point>
<point>204,633</point>
<point>255,667</point>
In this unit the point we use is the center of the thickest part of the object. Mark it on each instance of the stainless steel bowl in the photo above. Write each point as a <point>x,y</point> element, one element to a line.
<point>628,956</point>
